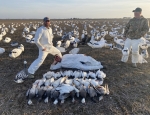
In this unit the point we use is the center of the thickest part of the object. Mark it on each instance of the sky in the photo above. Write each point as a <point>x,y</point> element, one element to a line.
<point>59,9</point>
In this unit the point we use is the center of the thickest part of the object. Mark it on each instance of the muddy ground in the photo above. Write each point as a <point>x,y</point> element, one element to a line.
<point>129,87</point>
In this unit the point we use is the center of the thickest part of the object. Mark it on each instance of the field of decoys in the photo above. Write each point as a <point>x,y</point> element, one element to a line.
<point>118,88</point>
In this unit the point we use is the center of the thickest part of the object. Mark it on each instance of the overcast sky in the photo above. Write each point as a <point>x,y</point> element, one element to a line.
<point>71,8</point>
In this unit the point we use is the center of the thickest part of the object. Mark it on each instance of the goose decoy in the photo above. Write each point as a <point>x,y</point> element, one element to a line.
<point>2,50</point>
<point>14,43</point>
<point>7,40</point>
<point>145,54</point>
<point>23,74</point>
<point>17,51</point>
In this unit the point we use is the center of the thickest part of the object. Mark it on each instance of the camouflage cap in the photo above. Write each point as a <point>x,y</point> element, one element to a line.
<point>137,10</point>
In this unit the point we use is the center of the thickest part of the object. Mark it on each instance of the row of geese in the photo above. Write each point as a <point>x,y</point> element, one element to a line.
<point>61,85</point>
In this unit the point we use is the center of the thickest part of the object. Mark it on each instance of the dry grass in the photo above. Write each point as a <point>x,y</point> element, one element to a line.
<point>129,87</point>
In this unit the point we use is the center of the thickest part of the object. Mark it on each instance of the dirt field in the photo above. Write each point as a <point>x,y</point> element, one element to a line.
<point>129,87</point>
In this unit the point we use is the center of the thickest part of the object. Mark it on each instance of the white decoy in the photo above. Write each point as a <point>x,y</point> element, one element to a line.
<point>32,32</point>
<point>26,29</point>
<point>23,74</point>
<point>23,34</point>
<point>16,52</point>
<point>28,38</point>
<point>125,51</point>
<point>32,41</point>
<point>119,41</point>
<point>12,31</point>
<point>1,37</point>
<point>2,50</point>
<point>145,54</point>
<point>3,33</point>
<point>75,44</point>
<point>67,44</point>
<point>14,43</point>
<point>7,40</point>
<point>58,46</point>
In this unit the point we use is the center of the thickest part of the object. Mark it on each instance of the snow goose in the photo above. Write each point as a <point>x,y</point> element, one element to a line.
<point>100,74</point>
<point>101,91</point>
<point>3,33</point>
<point>145,54</point>
<point>7,40</point>
<point>65,90</point>
<point>119,43</point>
<point>31,93</point>
<point>61,49</point>
<point>2,50</point>
<point>14,43</point>
<point>40,92</point>
<point>82,93</point>
<point>28,38</point>
<point>67,44</point>
<point>1,37</point>
<point>125,53</point>
<point>92,93</point>
<point>23,74</point>
<point>48,93</point>
<point>16,52</point>
<point>55,95</point>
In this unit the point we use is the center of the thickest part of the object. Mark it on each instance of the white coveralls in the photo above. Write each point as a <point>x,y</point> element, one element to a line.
<point>43,40</point>
<point>77,61</point>
<point>134,45</point>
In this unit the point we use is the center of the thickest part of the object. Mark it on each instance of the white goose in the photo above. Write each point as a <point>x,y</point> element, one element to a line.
<point>17,51</point>
<point>7,40</point>
<point>67,44</point>
<point>58,46</point>
<point>1,37</point>
<point>28,38</point>
<point>2,50</point>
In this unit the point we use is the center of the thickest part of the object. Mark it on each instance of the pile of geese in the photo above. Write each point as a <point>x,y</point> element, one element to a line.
<point>58,86</point>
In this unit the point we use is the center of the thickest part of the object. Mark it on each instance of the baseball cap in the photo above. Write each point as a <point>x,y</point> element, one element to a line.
<point>137,10</point>
<point>45,19</point>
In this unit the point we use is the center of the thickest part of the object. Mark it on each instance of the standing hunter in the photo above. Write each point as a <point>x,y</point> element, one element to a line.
<point>135,30</point>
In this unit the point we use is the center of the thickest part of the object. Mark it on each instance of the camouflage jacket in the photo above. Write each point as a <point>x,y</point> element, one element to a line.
<point>136,28</point>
